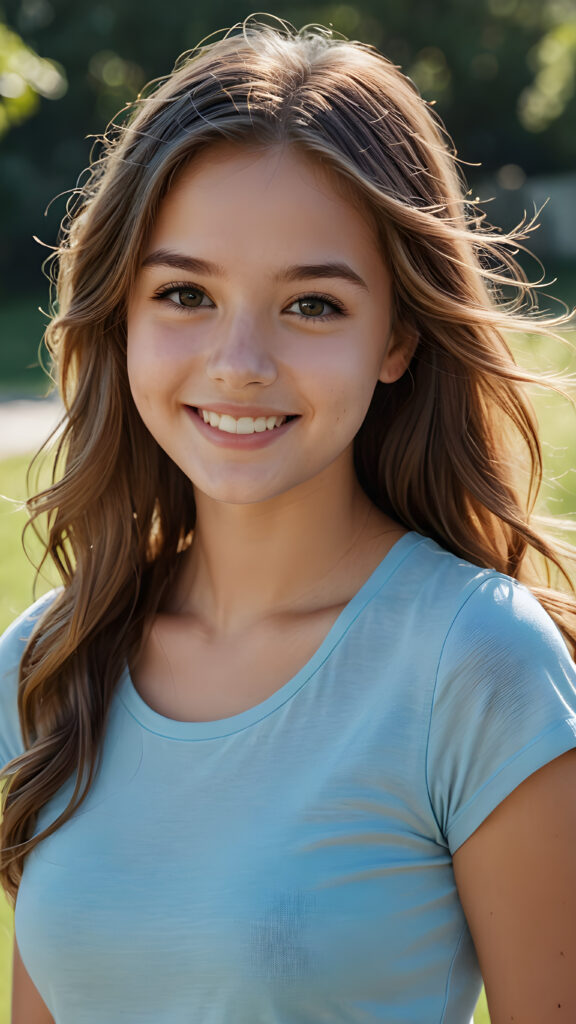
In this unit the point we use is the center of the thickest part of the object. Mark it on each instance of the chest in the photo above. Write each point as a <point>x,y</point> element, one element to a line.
<point>184,677</point>
<point>267,876</point>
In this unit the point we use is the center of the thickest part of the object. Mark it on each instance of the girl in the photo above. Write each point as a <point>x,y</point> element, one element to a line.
<point>292,743</point>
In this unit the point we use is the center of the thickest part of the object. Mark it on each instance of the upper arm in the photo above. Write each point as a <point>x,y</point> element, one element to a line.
<point>27,1005</point>
<point>516,882</point>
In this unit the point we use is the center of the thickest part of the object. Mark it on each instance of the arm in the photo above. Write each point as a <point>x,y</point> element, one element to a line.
<point>27,1005</point>
<point>515,877</point>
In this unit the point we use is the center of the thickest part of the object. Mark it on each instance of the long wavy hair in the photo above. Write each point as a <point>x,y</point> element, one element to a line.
<point>437,450</point>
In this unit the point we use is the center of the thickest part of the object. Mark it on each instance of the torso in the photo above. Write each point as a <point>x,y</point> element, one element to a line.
<point>185,676</point>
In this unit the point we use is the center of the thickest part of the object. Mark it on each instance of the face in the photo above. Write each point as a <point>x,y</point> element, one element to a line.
<point>262,293</point>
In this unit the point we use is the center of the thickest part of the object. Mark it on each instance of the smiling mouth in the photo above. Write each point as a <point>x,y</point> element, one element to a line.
<point>268,429</point>
<point>294,417</point>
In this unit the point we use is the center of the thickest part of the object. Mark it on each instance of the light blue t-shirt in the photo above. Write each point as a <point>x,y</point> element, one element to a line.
<point>292,864</point>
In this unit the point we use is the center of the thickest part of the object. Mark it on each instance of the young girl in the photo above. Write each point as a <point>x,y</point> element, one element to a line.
<point>293,742</point>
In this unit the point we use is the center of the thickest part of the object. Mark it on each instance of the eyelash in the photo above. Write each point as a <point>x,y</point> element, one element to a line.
<point>162,296</point>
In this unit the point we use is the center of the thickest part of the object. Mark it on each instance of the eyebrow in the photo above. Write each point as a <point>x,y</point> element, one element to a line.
<point>295,272</point>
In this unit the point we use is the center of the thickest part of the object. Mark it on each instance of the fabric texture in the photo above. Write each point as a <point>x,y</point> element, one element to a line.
<point>292,864</point>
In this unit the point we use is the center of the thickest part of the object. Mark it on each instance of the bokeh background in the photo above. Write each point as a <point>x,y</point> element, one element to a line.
<point>502,74</point>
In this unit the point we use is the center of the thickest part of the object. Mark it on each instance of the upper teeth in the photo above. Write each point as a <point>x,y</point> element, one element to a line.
<point>244,425</point>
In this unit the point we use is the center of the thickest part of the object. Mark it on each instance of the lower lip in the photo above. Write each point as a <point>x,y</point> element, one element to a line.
<point>225,440</point>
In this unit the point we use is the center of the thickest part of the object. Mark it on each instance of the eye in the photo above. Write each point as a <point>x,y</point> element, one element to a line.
<point>185,296</point>
<point>312,306</point>
<point>317,307</point>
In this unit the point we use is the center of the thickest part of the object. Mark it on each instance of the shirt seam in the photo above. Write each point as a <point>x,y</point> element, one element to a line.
<point>559,724</point>
<point>463,932</point>
<point>254,722</point>
<point>493,575</point>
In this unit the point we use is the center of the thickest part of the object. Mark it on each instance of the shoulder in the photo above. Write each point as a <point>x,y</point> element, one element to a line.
<point>474,608</point>
<point>13,641</point>
<point>504,702</point>
<point>500,649</point>
<point>430,575</point>
<point>500,628</point>
<point>12,645</point>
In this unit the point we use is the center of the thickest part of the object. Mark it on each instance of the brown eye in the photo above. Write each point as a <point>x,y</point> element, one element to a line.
<point>311,306</point>
<point>316,308</point>
<point>189,297</point>
<point>183,296</point>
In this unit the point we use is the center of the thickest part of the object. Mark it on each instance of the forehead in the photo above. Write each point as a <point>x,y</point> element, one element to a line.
<point>233,188</point>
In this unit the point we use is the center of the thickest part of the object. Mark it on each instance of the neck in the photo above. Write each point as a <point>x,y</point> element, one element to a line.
<point>253,562</point>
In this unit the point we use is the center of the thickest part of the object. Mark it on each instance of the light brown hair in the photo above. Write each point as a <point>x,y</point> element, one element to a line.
<point>435,451</point>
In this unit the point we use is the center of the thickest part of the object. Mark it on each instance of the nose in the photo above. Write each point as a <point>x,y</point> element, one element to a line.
<point>240,354</point>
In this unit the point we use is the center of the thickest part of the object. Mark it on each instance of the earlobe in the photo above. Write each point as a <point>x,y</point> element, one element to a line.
<point>401,347</point>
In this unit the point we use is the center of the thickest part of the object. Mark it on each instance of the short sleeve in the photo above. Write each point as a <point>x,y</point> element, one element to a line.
<point>504,705</point>
<point>12,645</point>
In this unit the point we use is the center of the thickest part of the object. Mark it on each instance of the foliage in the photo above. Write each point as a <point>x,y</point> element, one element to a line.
<point>502,73</point>
<point>24,77</point>
<point>554,59</point>
<point>22,324</point>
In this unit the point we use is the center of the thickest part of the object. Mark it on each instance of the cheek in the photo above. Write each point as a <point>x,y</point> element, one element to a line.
<point>155,358</point>
<point>140,375</point>
<point>350,383</point>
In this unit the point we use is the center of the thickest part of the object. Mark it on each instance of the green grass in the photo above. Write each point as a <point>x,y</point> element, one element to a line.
<point>481,1015</point>
<point>557,419</point>
<point>16,593</point>
<point>16,571</point>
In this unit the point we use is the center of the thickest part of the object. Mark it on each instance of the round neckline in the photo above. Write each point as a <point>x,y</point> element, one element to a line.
<point>173,728</point>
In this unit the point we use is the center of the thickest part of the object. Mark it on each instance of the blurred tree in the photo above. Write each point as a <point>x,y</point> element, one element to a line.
<point>24,77</point>
<point>502,72</point>
<point>554,59</point>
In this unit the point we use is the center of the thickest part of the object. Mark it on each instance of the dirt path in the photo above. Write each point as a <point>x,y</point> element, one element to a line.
<point>26,423</point>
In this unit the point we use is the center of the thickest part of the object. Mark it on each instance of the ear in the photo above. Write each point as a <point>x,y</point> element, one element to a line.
<point>399,351</point>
